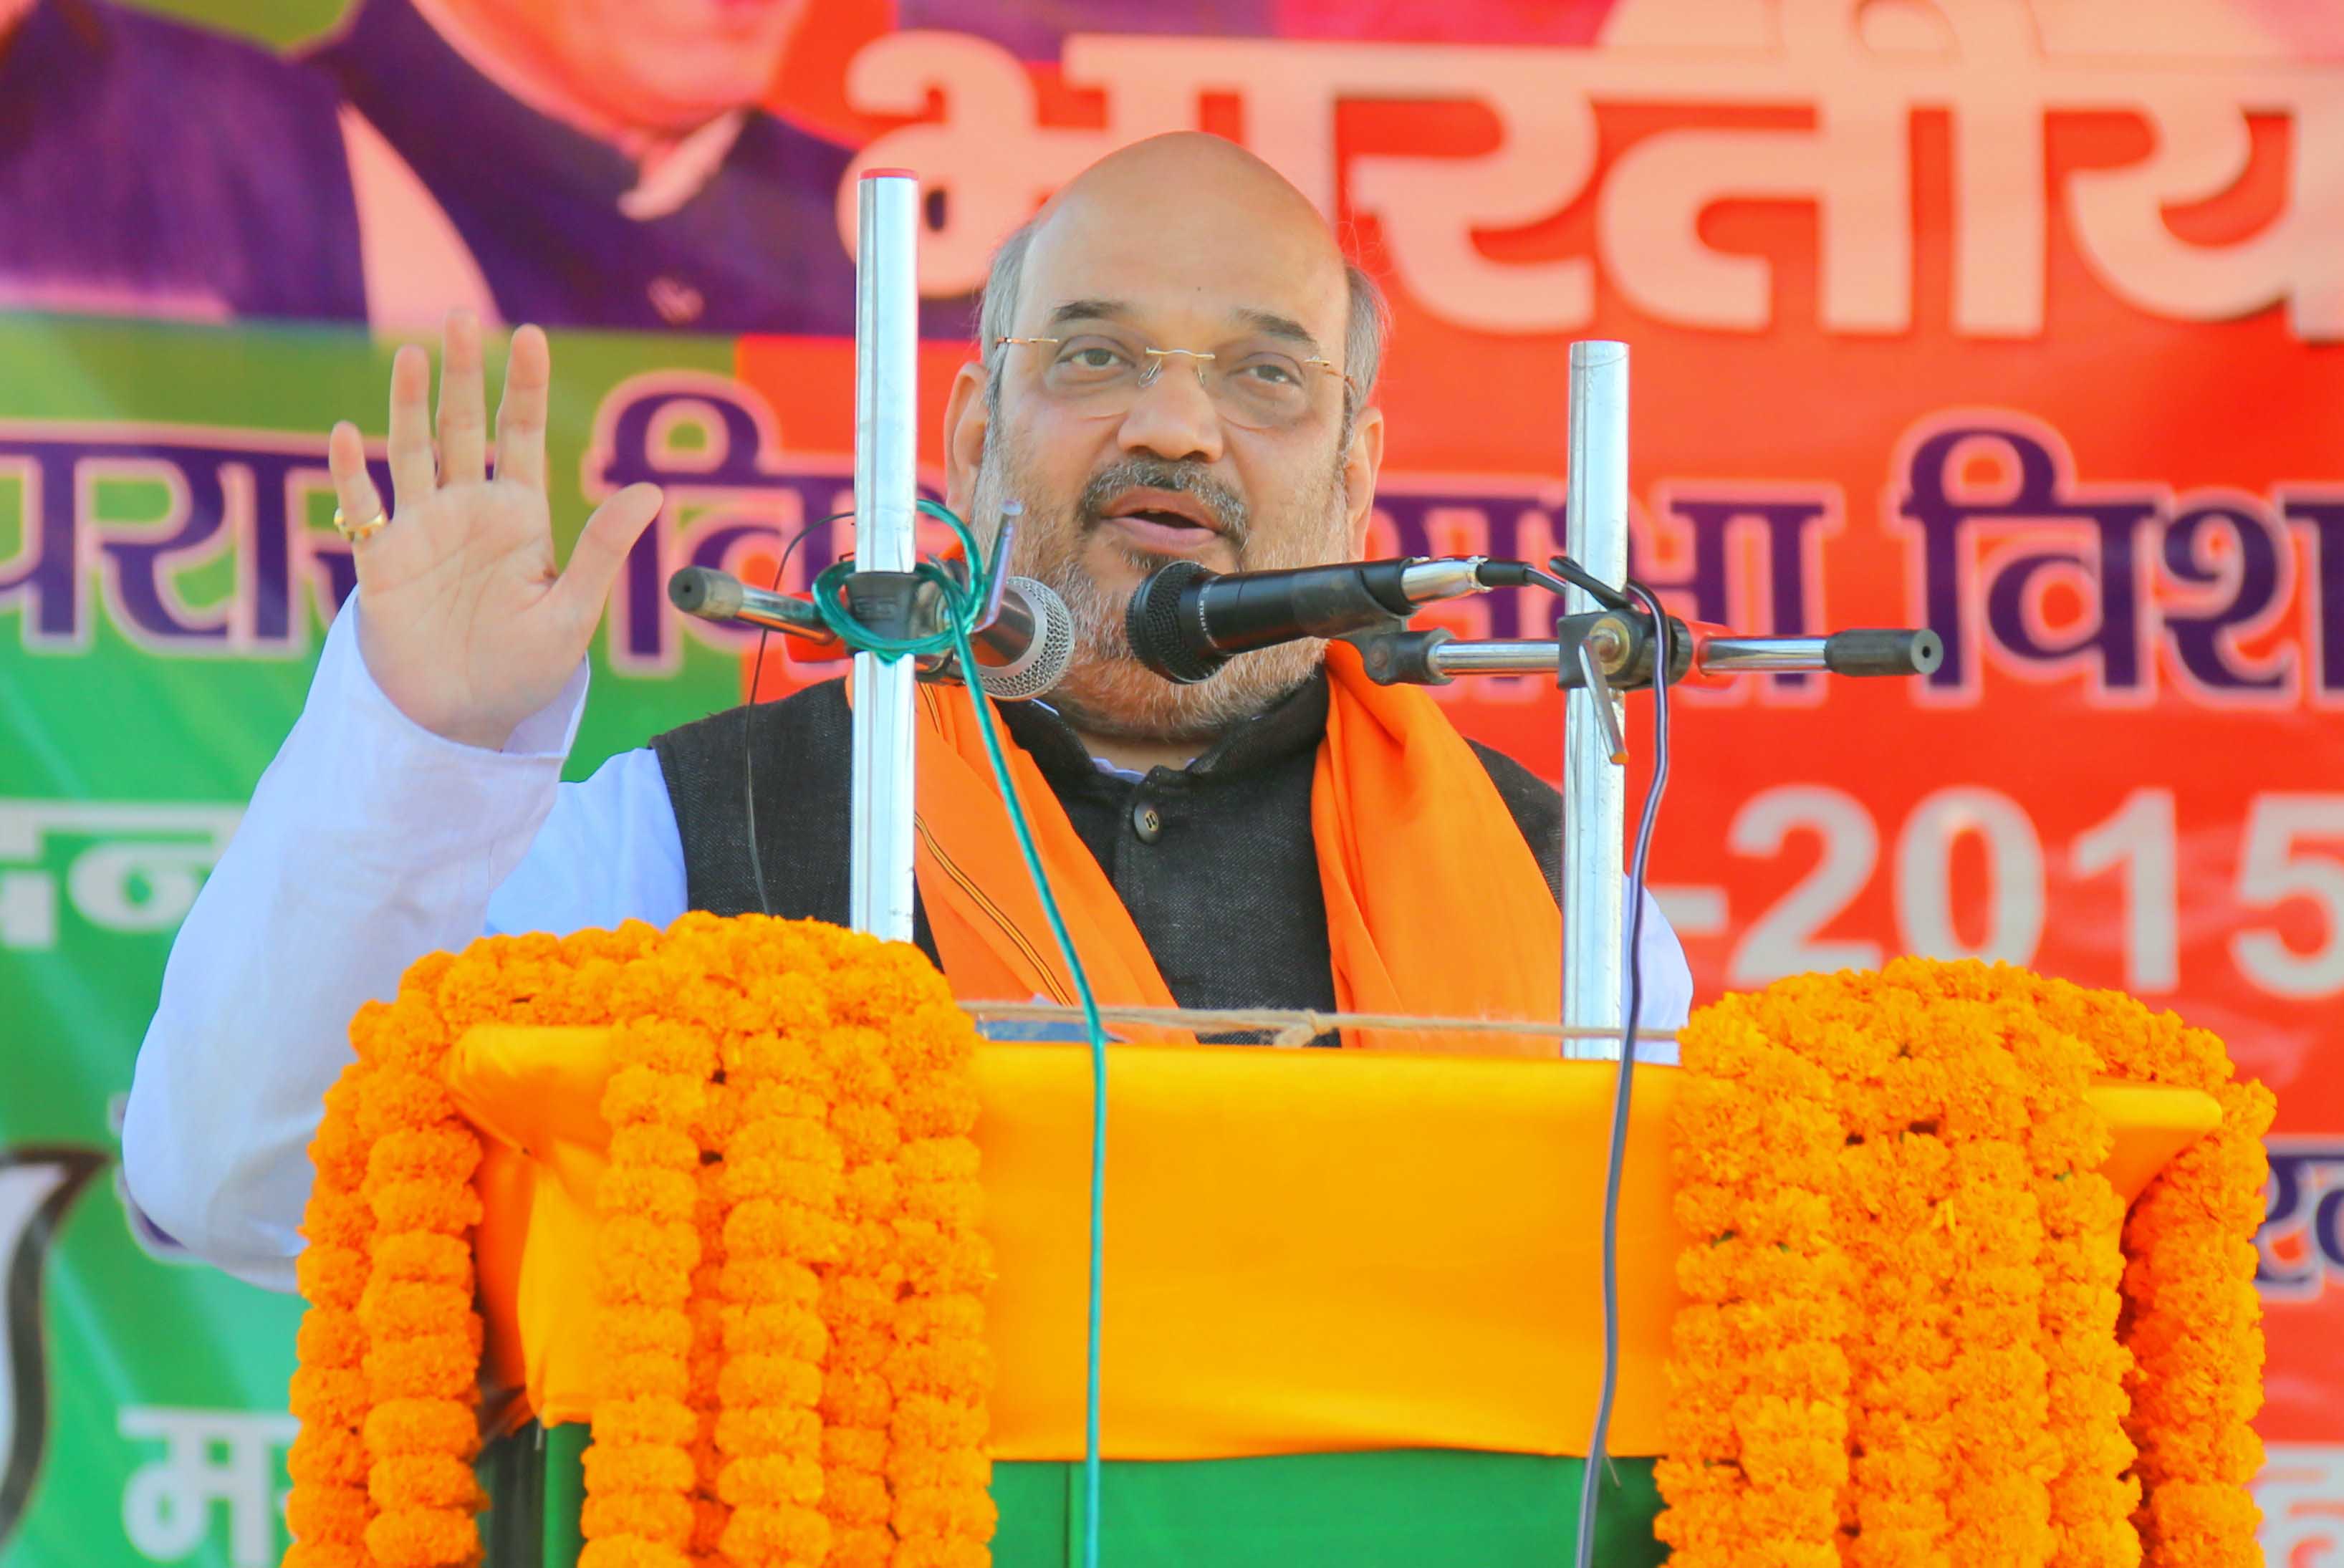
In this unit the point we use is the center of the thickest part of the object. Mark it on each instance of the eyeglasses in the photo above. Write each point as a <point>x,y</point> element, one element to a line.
<point>1257,386</point>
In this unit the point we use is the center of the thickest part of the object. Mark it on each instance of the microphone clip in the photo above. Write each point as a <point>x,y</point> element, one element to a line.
<point>900,606</point>
<point>886,603</point>
<point>1619,648</point>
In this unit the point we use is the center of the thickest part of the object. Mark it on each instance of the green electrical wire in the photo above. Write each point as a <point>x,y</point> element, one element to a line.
<point>962,601</point>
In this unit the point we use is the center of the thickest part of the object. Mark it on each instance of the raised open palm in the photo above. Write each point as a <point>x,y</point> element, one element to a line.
<point>465,623</point>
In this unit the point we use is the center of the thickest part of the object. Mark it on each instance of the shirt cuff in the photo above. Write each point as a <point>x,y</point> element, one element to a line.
<point>343,676</point>
<point>416,798</point>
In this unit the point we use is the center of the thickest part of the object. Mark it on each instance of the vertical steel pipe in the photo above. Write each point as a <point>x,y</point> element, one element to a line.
<point>886,415</point>
<point>1594,787</point>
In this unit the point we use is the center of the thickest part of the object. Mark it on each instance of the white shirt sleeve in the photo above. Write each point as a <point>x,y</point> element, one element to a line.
<point>1667,998</point>
<point>369,842</point>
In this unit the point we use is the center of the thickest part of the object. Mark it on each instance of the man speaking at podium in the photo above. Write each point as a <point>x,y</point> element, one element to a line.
<point>1175,363</point>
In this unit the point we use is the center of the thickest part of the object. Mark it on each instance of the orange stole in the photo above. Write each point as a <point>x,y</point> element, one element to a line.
<point>1435,905</point>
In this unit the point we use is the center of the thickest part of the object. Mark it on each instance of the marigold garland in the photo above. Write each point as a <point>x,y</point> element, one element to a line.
<point>639,1471</point>
<point>1919,1326</point>
<point>940,1370</point>
<point>1756,1417</point>
<point>2191,1318</point>
<point>329,1510</point>
<point>1998,1401</point>
<point>796,1373</point>
<point>859,1300</point>
<point>781,1181</point>
<point>705,1312</point>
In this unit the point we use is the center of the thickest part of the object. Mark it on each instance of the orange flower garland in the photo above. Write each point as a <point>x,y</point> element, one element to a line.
<point>706,1309</point>
<point>639,1472</point>
<point>2004,1456</point>
<point>858,1303</point>
<point>2092,1493</point>
<point>781,1179</point>
<point>1990,1410</point>
<point>1919,1328</point>
<point>391,1344</point>
<point>328,1511</point>
<point>940,1368</point>
<point>753,1273</point>
<point>2193,1322</point>
<point>1757,1413</point>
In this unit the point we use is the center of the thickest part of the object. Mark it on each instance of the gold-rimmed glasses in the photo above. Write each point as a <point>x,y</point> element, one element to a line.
<point>1255,385</point>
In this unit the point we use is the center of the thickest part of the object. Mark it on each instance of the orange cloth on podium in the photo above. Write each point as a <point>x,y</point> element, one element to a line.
<point>1435,905</point>
<point>1308,1251</point>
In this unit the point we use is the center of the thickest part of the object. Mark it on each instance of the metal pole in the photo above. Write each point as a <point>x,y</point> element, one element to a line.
<point>1594,788</point>
<point>886,415</point>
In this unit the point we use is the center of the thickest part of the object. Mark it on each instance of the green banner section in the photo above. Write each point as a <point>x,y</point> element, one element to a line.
<point>167,568</point>
<point>1400,1508</point>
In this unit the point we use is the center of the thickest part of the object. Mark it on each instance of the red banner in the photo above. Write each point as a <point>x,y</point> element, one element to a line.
<point>2018,337</point>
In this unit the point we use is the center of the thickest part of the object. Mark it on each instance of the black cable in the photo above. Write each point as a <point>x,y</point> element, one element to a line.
<point>1522,575</point>
<point>748,746</point>
<point>1587,583</point>
<point>1620,1092</point>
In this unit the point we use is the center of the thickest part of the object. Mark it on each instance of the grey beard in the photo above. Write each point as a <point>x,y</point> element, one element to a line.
<point>1107,690</point>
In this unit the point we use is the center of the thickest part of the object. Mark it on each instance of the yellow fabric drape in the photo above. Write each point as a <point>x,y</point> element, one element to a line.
<point>1307,1250</point>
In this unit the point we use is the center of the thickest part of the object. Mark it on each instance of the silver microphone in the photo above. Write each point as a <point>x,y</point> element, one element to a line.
<point>1022,653</point>
<point>1027,648</point>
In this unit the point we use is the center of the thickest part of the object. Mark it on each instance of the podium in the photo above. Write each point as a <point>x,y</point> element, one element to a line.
<point>1352,1311</point>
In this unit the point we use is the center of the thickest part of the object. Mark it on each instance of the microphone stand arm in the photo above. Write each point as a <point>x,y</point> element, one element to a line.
<point>1613,649</point>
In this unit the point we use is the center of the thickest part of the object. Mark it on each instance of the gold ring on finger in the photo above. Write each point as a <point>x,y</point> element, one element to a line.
<point>359,532</point>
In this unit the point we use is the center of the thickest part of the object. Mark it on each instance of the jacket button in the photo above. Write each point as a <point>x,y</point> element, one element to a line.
<point>1147,822</point>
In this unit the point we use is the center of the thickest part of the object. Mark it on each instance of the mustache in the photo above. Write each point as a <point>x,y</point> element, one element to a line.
<point>1190,479</point>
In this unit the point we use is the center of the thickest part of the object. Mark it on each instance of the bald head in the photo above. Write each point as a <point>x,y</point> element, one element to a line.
<point>1207,215</point>
<point>1204,196</point>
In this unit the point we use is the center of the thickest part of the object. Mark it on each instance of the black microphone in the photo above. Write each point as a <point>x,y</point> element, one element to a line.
<point>1023,653</point>
<point>1186,621</point>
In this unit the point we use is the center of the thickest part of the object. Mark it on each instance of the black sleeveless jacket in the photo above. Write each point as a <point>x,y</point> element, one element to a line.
<point>1216,861</point>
